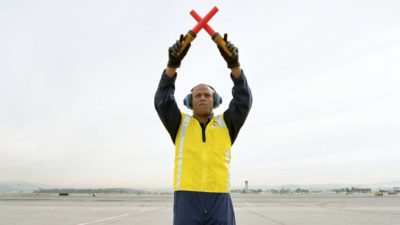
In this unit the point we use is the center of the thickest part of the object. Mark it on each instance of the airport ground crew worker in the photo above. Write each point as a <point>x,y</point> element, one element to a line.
<point>202,141</point>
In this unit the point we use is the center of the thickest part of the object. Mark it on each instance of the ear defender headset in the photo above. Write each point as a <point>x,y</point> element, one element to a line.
<point>187,101</point>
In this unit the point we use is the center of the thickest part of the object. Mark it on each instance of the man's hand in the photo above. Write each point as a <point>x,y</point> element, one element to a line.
<point>232,61</point>
<point>174,60</point>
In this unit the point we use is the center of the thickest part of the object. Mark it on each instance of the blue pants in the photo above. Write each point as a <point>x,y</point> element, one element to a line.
<point>199,208</point>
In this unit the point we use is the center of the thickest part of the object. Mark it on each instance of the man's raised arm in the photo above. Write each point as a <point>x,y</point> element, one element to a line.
<point>240,105</point>
<point>164,100</point>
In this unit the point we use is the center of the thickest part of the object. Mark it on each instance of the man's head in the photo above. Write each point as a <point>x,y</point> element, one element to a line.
<point>202,99</point>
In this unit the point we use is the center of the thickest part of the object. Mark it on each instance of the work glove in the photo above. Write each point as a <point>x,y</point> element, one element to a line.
<point>174,60</point>
<point>232,61</point>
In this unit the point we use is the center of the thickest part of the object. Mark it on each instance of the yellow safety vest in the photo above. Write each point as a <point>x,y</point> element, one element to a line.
<point>202,166</point>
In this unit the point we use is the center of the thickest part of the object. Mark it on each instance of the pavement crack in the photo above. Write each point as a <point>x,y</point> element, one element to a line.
<point>266,217</point>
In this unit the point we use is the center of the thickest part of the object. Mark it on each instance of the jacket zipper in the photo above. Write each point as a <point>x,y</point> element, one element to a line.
<point>203,132</point>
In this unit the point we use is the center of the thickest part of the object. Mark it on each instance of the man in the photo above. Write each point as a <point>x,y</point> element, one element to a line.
<point>202,141</point>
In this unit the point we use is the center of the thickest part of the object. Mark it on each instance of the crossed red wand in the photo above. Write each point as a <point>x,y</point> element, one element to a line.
<point>202,23</point>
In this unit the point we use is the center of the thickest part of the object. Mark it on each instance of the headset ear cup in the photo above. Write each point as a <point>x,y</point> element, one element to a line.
<point>217,100</point>
<point>187,101</point>
<point>216,97</point>
<point>190,101</point>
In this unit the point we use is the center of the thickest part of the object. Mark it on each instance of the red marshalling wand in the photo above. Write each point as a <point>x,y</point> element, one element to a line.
<point>191,34</point>
<point>214,35</point>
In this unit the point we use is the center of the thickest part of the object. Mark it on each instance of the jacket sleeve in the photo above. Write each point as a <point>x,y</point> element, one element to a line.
<point>165,104</point>
<point>239,107</point>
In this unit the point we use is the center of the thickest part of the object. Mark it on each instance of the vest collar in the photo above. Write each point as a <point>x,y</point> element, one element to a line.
<point>209,118</point>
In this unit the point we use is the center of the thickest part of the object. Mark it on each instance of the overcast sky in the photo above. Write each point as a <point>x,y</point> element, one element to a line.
<point>77,83</point>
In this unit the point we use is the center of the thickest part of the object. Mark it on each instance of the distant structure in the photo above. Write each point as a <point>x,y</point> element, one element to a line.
<point>360,190</point>
<point>246,186</point>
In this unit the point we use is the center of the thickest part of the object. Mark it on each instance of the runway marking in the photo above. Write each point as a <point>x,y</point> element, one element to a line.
<point>248,204</point>
<point>104,219</point>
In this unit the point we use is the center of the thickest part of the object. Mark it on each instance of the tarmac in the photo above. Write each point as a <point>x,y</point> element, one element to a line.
<point>250,209</point>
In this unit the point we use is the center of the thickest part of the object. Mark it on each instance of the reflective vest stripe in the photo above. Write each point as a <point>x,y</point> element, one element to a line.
<point>220,121</point>
<point>180,153</point>
<point>228,159</point>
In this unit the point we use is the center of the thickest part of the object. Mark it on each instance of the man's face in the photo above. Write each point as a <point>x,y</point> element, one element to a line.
<point>202,100</point>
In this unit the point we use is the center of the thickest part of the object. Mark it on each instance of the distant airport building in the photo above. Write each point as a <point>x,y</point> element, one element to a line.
<point>360,190</point>
<point>246,186</point>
